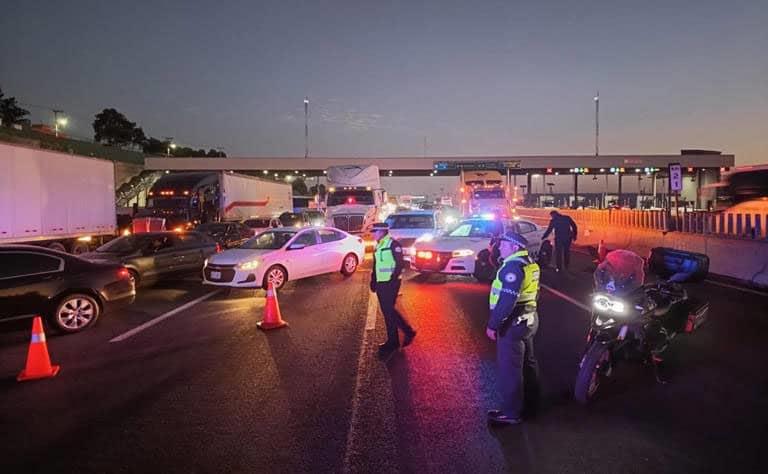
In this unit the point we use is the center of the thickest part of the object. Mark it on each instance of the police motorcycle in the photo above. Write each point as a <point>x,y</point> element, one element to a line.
<point>637,322</point>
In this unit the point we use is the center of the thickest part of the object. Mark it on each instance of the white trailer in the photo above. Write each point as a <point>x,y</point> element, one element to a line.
<point>65,202</point>
<point>246,196</point>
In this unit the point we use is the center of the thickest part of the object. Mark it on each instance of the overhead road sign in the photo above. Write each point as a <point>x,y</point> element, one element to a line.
<point>475,165</point>
<point>675,177</point>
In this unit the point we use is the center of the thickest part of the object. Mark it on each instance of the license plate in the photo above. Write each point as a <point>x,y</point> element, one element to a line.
<point>215,275</point>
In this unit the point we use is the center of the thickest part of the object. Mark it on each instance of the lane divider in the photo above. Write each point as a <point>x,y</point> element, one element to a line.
<point>161,318</point>
<point>567,298</point>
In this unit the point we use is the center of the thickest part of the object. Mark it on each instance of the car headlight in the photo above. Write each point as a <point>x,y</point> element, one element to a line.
<point>251,265</point>
<point>608,305</point>
<point>205,263</point>
<point>425,238</point>
<point>462,253</point>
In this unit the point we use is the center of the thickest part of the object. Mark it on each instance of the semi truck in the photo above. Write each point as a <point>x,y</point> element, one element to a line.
<point>354,199</point>
<point>485,192</point>
<point>56,200</point>
<point>186,199</point>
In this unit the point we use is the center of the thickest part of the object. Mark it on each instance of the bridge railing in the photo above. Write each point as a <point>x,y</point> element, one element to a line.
<point>750,226</point>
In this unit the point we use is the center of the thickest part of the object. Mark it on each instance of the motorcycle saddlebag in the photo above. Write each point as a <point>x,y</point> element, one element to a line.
<point>685,266</point>
<point>697,314</point>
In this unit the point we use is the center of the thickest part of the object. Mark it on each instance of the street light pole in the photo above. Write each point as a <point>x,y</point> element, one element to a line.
<point>306,127</point>
<point>597,125</point>
<point>170,144</point>
<point>57,121</point>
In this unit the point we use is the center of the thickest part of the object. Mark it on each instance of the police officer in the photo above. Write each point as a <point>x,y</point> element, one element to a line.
<point>388,264</point>
<point>513,325</point>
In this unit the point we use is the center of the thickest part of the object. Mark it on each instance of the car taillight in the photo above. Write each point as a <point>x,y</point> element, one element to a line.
<point>123,273</point>
<point>426,255</point>
<point>218,248</point>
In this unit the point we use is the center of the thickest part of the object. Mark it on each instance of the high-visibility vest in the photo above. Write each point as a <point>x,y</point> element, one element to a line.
<point>529,289</point>
<point>385,260</point>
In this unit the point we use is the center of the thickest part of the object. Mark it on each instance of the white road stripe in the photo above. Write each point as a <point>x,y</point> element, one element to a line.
<point>161,318</point>
<point>567,298</point>
<point>354,421</point>
<point>370,318</point>
<point>739,288</point>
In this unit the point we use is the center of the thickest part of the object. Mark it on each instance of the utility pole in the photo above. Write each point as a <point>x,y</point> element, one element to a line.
<point>168,145</point>
<point>597,125</point>
<point>306,127</point>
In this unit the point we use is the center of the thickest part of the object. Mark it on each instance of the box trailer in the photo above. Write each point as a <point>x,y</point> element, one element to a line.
<point>61,201</point>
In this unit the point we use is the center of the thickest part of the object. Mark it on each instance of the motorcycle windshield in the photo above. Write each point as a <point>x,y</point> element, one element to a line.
<point>620,273</point>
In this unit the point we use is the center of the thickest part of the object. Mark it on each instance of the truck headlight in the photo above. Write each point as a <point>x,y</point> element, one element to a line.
<point>251,265</point>
<point>608,305</point>
<point>462,253</point>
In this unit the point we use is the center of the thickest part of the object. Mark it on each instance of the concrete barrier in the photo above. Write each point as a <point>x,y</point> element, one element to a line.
<point>745,260</point>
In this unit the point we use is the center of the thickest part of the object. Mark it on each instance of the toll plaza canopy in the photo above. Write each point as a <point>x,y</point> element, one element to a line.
<point>450,165</point>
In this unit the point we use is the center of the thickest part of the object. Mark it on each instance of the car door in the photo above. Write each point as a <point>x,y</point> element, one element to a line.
<point>189,252</point>
<point>532,234</point>
<point>27,280</point>
<point>331,251</point>
<point>166,255</point>
<point>303,262</point>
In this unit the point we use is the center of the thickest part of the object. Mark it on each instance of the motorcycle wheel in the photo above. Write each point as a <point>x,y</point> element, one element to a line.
<point>595,366</point>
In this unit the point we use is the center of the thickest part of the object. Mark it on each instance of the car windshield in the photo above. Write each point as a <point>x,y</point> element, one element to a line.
<point>270,240</point>
<point>479,228</point>
<point>291,220</point>
<point>121,245</point>
<point>411,222</point>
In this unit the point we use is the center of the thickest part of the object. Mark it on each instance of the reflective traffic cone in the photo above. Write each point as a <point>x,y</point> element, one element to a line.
<point>272,318</point>
<point>602,251</point>
<point>38,362</point>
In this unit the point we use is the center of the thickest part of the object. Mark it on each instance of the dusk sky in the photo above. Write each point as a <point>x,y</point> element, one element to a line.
<point>474,77</point>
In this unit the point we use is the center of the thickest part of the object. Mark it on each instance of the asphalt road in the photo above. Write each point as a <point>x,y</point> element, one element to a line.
<point>205,391</point>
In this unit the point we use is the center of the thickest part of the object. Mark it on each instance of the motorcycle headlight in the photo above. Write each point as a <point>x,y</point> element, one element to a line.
<point>607,304</point>
<point>462,253</point>
<point>248,265</point>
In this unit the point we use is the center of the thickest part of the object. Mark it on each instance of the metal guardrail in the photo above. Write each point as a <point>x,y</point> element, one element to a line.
<point>749,226</point>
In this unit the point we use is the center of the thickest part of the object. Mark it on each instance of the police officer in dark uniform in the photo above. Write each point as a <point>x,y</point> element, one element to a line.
<point>513,325</point>
<point>388,264</point>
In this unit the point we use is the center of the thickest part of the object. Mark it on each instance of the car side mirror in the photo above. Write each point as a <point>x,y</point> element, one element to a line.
<point>296,246</point>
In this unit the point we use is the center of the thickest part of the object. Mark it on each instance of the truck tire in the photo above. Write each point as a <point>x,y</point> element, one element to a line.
<point>80,248</point>
<point>57,246</point>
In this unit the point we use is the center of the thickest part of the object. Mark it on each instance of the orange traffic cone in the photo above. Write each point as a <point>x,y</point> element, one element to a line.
<point>272,318</point>
<point>38,362</point>
<point>602,251</point>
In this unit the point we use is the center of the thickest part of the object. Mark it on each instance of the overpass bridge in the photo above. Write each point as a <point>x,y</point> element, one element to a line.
<point>559,180</point>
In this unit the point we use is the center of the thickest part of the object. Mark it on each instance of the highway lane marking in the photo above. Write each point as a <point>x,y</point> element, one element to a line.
<point>567,298</point>
<point>354,420</point>
<point>734,287</point>
<point>370,318</point>
<point>161,318</point>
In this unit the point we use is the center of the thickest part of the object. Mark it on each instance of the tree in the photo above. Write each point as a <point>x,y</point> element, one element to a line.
<point>153,146</point>
<point>10,111</point>
<point>216,154</point>
<point>113,128</point>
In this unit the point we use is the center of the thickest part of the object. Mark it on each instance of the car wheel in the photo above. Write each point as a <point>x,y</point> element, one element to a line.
<point>349,265</point>
<point>275,275</point>
<point>76,312</point>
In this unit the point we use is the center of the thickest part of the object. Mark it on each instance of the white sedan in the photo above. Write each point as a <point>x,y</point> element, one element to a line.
<point>456,252</point>
<point>283,254</point>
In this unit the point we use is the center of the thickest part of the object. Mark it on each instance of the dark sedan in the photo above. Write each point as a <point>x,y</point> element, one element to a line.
<point>71,293</point>
<point>227,234</point>
<point>153,256</point>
